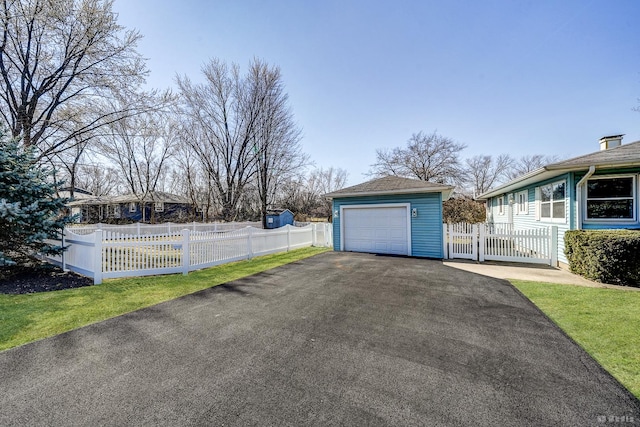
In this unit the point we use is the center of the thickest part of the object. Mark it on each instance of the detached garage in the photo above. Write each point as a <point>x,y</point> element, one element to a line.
<point>390,215</point>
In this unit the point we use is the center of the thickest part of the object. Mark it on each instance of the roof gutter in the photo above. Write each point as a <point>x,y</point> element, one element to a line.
<point>579,185</point>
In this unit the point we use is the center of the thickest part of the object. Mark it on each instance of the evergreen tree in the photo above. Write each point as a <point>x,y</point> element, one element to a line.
<point>29,210</point>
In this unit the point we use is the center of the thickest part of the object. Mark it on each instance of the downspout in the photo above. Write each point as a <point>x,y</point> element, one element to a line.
<point>579,185</point>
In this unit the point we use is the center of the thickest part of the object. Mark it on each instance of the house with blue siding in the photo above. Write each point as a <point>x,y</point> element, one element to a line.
<point>390,215</point>
<point>595,191</point>
<point>156,206</point>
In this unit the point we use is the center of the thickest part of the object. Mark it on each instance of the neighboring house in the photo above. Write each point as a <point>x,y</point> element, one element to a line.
<point>594,191</point>
<point>277,218</point>
<point>156,207</point>
<point>78,193</point>
<point>390,215</point>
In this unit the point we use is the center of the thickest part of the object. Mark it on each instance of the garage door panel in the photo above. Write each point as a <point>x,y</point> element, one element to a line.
<point>376,229</point>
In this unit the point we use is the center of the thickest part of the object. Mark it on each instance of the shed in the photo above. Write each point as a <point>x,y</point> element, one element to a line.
<point>277,218</point>
<point>390,215</point>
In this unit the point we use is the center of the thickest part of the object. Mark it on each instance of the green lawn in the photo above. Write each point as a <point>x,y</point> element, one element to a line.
<point>26,318</point>
<point>605,322</point>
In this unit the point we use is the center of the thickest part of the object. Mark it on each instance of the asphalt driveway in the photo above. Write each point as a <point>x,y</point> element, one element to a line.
<point>340,338</point>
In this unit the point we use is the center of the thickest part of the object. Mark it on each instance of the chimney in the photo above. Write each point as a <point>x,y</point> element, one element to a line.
<point>612,141</point>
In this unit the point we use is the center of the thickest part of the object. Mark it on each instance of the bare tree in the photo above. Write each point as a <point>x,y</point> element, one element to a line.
<point>58,60</point>
<point>98,179</point>
<point>432,157</point>
<point>529,163</point>
<point>140,147</point>
<point>485,172</point>
<point>242,132</point>
<point>222,120</point>
<point>189,178</point>
<point>327,181</point>
<point>276,138</point>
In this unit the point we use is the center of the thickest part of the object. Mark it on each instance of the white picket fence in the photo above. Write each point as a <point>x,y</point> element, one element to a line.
<point>139,229</point>
<point>501,242</point>
<point>107,254</point>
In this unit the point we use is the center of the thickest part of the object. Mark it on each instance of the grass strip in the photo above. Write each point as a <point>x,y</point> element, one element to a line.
<point>605,322</point>
<point>30,317</point>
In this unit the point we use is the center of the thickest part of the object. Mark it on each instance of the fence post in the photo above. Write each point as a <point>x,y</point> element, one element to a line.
<point>445,245</point>
<point>450,239</point>
<point>482,228</point>
<point>186,252</point>
<point>474,242</point>
<point>554,245</point>
<point>288,237</point>
<point>314,231</point>
<point>64,260</point>
<point>97,257</point>
<point>249,243</point>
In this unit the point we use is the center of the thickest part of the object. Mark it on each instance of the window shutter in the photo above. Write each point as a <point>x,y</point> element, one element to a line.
<point>537,202</point>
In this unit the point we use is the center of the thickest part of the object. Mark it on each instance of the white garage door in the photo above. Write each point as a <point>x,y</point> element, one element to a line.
<point>381,230</point>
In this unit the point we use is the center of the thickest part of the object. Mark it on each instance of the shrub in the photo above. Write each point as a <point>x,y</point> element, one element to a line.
<point>463,209</point>
<point>608,256</point>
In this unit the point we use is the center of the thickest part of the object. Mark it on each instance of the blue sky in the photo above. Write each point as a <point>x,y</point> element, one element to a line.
<point>516,77</point>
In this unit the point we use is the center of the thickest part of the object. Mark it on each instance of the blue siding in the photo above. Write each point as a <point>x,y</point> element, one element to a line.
<point>280,220</point>
<point>527,221</point>
<point>426,228</point>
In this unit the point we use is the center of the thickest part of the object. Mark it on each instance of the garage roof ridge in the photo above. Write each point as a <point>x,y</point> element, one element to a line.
<point>392,185</point>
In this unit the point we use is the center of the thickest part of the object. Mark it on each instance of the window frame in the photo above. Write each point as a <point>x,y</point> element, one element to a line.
<point>539,202</point>
<point>158,206</point>
<point>634,186</point>
<point>500,202</point>
<point>133,207</point>
<point>522,208</point>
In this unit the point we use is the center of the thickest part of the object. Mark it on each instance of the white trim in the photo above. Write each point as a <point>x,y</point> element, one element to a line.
<point>522,208</point>
<point>539,202</point>
<point>445,189</point>
<point>407,207</point>
<point>500,200</point>
<point>158,206</point>
<point>133,207</point>
<point>619,221</point>
<point>579,189</point>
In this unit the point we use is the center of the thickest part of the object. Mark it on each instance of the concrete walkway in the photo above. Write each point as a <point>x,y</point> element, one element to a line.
<point>533,272</point>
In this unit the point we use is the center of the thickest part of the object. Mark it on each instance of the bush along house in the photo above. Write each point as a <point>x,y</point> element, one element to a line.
<point>157,206</point>
<point>599,190</point>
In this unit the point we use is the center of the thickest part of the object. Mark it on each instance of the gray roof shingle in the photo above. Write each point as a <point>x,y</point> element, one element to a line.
<point>391,185</point>
<point>623,154</point>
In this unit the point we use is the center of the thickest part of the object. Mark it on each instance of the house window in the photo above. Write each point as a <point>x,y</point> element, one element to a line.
<point>158,206</point>
<point>522,202</point>
<point>611,198</point>
<point>132,207</point>
<point>552,201</point>
<point>500,202</point>
<point>116,211</point>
